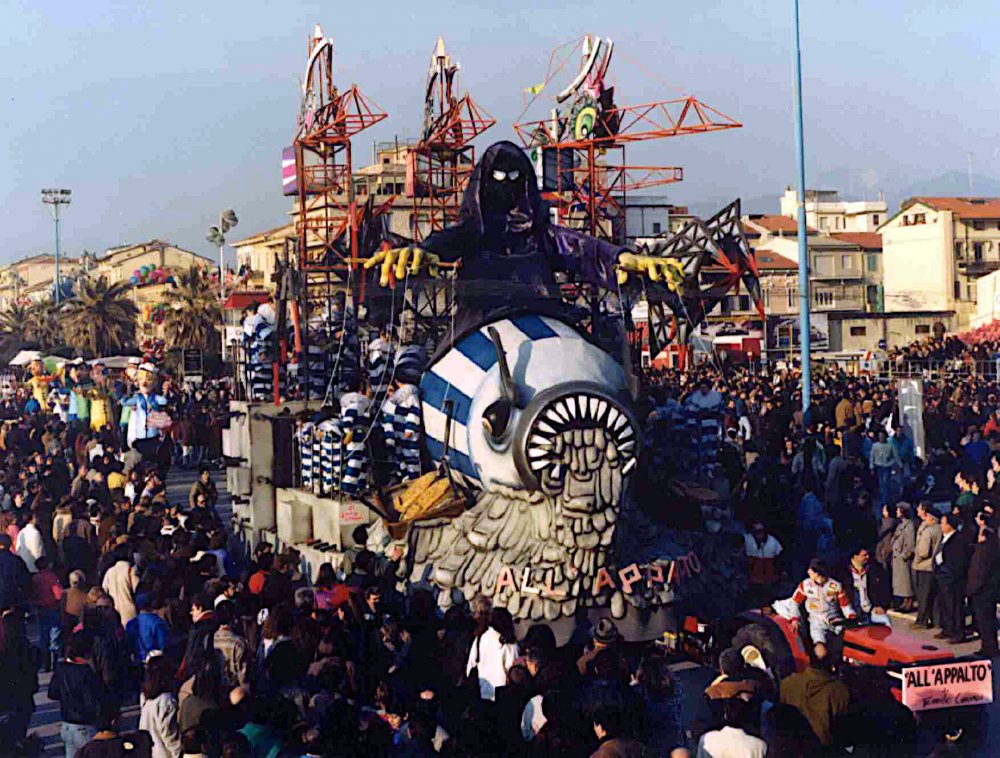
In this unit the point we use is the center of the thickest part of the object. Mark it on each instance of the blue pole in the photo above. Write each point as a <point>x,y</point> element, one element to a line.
<point>58,294</point>
<point>803,241</point>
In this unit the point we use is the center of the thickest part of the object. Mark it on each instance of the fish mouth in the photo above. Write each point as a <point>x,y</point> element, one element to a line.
<point>567,435</point>
<point>579,447</point>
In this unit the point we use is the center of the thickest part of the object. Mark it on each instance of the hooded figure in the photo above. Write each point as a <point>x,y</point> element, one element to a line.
<point>508,246</point>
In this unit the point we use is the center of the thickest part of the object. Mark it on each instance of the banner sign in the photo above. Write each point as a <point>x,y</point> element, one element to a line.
<point>948,685</point>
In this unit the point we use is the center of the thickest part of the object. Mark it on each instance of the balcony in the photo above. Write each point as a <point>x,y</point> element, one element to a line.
<point>978,267</point>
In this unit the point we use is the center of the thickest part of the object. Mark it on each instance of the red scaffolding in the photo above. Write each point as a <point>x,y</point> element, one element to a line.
<point>327,213</point>
<point>439,166</point>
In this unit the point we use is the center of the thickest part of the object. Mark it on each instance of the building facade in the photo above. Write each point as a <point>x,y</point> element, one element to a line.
<point>826,212</point>
<point>936,250</point>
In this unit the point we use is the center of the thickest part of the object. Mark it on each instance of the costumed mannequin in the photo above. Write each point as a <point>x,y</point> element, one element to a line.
<point>80,385</point>
<point>100,398</point>
<point>405,411</point>
<point>39,382</point>
<point>509,248</point>
<point>142,435</point>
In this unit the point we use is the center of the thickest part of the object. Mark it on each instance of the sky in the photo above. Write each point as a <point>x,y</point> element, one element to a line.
<point>159,115</point>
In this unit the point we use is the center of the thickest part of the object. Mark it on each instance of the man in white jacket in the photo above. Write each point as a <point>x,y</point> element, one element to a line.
<point>30,546</point>
<point>120,582</point>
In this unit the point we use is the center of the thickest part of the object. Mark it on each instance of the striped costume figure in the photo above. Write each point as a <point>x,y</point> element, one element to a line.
<point>406,431</point>
<point>386,416</point>
<point>354,425</point>
<point>329,436</point>
<point>305,441</point>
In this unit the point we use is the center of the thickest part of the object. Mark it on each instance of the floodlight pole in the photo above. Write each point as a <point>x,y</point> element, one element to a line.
<point>57,198</point>
<point>804,325</point>
<point>222,264</point>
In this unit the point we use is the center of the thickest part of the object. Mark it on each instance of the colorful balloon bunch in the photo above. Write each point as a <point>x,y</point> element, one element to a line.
<point>150,274</point>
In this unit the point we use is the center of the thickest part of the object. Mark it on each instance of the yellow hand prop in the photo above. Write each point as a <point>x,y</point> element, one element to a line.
<point>398,259</point>
<point>668,270</point>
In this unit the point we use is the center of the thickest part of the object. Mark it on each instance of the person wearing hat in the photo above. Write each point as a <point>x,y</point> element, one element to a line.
<point>605,636</point>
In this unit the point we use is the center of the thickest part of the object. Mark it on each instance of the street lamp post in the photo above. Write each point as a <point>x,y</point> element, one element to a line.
<point>227,220</point>
<point>804,335</point>
<point>57,198</point>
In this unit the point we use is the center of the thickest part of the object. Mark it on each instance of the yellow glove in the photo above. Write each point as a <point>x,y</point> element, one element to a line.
<point>668,270</point>
<point>400,258</point>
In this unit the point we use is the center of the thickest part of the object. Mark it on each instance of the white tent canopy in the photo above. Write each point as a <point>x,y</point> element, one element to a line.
<point>24,357</point>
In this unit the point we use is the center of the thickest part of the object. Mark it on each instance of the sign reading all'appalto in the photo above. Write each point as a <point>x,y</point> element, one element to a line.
<point>948,685</point>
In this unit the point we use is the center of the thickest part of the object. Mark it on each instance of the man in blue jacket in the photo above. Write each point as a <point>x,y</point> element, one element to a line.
<point>147,631</point>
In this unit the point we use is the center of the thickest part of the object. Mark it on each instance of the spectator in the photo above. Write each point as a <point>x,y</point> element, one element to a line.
<point>605,637</point>
<point>109,742</point>
<point>15,579</point>
<point>158,713</point>
<point>120,582</point>
<point>147,633</point>
<point>763,561</point>
<point>817,694</point>
<point>868,585</point>
<point>903,543</point>
<point>982,586</point>
<point>882,461</point>
<point>927,541</point>
<point>83,702</point>
<point>663,706</point>
<point>18,682</point>
<point>732,740</point>
<point>950,564</point>
<point>492,653</point>
<point>47,595</point>
<point>610,727</point>
<point>30,544</point>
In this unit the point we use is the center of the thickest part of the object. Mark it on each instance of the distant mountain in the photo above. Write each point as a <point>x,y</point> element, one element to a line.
<point>709,206</point>
<point>952,184</point>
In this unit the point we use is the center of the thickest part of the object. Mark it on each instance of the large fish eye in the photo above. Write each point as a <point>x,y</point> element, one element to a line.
<point>496,420</point>
<point>499,175</point>
<point>513,175</point>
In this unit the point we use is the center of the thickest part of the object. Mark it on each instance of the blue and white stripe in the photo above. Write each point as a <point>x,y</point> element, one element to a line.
<point>458,375</point>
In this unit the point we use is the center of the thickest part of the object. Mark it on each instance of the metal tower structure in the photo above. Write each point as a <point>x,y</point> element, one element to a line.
<point>437,171</point>
<point>322,258</point>
<point>579,151</point>
<point>327,214</point>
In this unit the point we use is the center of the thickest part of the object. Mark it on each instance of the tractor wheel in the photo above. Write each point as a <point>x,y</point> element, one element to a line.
<point>771,646</point>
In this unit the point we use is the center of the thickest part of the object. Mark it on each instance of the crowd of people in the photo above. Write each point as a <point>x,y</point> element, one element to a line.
<point>133,598</point>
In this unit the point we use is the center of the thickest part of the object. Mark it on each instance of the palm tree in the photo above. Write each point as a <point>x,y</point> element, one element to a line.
<point>41,324</point>
<point>100,319</point>
<point>12,331</point>
<point>193,311</point>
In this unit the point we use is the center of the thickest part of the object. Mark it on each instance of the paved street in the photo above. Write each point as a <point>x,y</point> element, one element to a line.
<point>45,722</point>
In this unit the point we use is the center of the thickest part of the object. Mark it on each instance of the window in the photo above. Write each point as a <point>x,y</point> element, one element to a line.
<point>876,219</point>
<point>824,265</point>
<point>871,262</point>
<point>871,295</point>
<point>847,261</point>
<point>979,225</point>
<point>858,331</point>
<point>958,290</point>
<point>977,251</point>
<point>922,329</point>
<point>362,189</point>
<point>400,188</point>
<point>959,250</point>
<point>824,222</point>
<point>744,301</point>
<point>919,218</point>
<point>823,298</point>
<point>793,297</point>
<point>657,228</point>
<point>385,161</point>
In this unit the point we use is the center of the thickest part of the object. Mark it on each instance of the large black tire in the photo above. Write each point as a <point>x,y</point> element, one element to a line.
<point>768,639</point>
